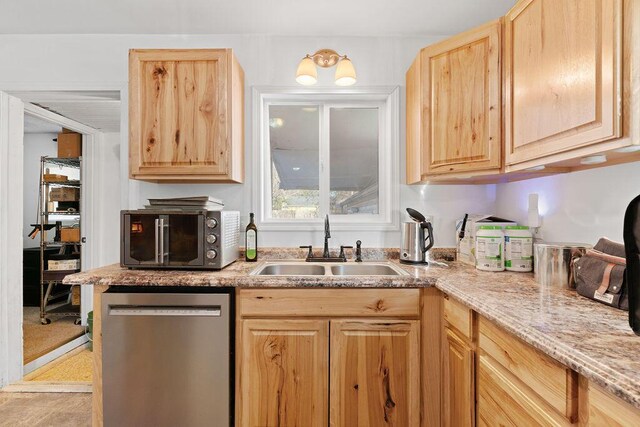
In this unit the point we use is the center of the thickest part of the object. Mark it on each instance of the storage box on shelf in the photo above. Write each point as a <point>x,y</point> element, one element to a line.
<point>64,194</point>
<point>69,145</point>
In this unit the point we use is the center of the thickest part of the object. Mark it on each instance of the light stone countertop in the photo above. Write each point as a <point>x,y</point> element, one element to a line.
<point>590,338</point>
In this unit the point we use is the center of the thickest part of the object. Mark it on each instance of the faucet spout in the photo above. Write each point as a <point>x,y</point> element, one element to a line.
<point>327,236</point>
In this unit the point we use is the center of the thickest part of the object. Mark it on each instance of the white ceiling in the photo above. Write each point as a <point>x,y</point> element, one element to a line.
<point>99,110</point>
<point>283,17</point>
<point>35,125</point>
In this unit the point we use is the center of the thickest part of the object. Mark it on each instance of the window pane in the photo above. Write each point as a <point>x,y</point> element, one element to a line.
<point>294,135</point>
<point>354,161</point>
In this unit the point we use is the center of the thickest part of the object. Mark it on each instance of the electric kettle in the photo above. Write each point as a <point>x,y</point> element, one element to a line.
<point>415,235</point>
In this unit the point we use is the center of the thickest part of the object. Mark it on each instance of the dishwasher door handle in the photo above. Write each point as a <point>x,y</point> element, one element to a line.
<point>156,310</point>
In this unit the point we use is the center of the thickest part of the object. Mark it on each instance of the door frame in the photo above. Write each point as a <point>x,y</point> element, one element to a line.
<point>11,188</point>
<point>11,167</point>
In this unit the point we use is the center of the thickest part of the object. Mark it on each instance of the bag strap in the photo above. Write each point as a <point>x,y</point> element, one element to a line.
<point>606,257</point>
<point>606,279</point>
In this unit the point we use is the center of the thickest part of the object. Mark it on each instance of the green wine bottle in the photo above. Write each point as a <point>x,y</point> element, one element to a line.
<point>251,241</point>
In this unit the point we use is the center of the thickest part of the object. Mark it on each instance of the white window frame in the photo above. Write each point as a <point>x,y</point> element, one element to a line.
<point>386,99</point>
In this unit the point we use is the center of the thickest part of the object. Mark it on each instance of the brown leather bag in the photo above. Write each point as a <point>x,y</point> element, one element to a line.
<point>600,274</point>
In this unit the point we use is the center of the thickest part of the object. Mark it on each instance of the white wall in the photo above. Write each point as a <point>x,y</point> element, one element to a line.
<point>100,61</point>
<point>107,199</point>
<point>576,207</point>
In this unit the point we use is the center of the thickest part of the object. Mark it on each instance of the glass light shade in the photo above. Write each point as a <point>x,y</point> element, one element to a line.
<point>307,73</point>
<point>345,73</point>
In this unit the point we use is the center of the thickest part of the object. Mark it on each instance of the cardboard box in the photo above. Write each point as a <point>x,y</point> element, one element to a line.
<point>64,194</point>
<point>69,145</point>
<point>466,248</point>
<point>52,177</point>
<point>75,295</point>
<point>63,264</point>
<point>68,234</point>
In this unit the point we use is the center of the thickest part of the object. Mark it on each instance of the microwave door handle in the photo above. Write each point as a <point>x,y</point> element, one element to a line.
<point>157,240</point>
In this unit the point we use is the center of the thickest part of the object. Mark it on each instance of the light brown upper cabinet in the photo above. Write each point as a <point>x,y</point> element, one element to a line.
<point>186,115</point>
<point>562,79</point>
<point>454,107</point>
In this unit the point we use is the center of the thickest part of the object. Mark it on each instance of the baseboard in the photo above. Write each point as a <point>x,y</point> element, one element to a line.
<point>52,355</point>
<point>47,387</point>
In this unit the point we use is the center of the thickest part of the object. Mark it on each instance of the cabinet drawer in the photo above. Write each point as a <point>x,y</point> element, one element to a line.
<point>503,400</point>
<point>459,316</point>
<point>606,409</point>
<point>553,382</point>
<point>329,302</point>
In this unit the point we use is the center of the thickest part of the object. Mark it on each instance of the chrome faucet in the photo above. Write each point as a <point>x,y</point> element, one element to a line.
<point>327,236</point>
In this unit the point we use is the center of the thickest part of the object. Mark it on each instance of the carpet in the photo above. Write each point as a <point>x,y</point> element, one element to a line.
<point>74,366</point>
<point>41,339</point>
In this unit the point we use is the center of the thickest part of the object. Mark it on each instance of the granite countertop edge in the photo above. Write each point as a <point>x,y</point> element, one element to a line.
<point>601,374</point>
<point>445,279</point>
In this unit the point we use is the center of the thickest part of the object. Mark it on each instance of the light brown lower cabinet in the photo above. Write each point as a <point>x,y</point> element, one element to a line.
<point>375,373</point>
<point>459,396</point>
<point>490,377</point>
<point>504,401</point>
<point>373,366</point>
<point>284,372</point>
<point>336,368</point>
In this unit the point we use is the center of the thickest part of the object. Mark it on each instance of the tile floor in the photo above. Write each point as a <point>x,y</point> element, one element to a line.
<point>45,409</point>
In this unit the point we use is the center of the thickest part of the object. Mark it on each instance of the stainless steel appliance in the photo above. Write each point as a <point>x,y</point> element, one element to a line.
<point>417,239</point>
<point>552,262</point>
<point>182,239</point>
<point>166,357</point>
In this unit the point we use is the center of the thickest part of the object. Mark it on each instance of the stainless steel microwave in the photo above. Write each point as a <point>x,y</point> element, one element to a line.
<point>199,239</point>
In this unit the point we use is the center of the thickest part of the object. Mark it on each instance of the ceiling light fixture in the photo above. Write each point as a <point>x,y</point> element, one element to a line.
<point>307,74</point>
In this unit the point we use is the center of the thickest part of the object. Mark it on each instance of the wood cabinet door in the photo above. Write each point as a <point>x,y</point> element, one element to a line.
<point>179,112</point>
<point>461,115</point>
<point>375,373</point>
<point>284,373</point>
<point>459,391</point>
<point>562,76</point>
<point>503,400</point>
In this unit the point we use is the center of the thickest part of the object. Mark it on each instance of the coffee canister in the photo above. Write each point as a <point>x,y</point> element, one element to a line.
<point>552,262</point>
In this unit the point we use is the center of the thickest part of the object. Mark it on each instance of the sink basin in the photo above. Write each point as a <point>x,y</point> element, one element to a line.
<point>301,268</point>
<point>364,270</point>
<point>291,270</point>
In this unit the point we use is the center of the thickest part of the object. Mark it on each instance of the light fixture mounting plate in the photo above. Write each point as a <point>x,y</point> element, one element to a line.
<point>326,58</point>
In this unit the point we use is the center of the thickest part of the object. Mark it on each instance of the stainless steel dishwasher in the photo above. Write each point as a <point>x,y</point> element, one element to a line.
<point>166,358</point>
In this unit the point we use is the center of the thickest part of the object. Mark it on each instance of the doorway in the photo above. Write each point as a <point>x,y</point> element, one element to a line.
<point>52,180</point>
<point>38,342</point>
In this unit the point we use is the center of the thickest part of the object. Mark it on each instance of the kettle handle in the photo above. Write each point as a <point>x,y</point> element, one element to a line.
<point>429,228</point>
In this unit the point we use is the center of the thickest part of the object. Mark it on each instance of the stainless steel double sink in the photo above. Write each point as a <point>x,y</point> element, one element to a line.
<point>301,268</point>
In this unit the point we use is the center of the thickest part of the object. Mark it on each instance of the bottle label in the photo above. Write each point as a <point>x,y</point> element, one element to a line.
<point>251,244</point>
